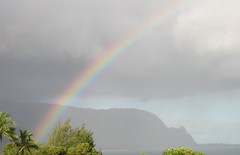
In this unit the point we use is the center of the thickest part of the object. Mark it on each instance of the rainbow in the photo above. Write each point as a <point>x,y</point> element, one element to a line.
<point>92,71</point>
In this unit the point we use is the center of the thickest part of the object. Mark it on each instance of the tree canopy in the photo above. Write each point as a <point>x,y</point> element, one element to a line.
<point>7,127</point>
<point>65,135</point>
<point>21,146</point>
<point>66,140</point>
<point>180,151</point>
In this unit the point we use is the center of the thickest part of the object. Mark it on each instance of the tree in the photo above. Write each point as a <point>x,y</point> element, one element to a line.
<point>180,151</point>
<point>65,140</point>
<point>17,145</point>
<point>51,150</point>
<point>22,145</point>
<point>81,135</point>
<point>10,149</point>
<point>25,143</point>
<point>7,127</point>
<point>60,134</point>
<point>83,149</point>
<point>65,135</point>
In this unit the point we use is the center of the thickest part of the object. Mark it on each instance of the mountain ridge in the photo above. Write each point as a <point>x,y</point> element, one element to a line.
<point>114,128</point>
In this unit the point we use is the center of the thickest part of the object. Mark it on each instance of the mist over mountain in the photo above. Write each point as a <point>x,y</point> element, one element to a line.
<point>113,128</point>
<point>130,129</point>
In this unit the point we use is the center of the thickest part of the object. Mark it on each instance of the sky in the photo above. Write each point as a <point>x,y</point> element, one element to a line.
<point>185,69</point>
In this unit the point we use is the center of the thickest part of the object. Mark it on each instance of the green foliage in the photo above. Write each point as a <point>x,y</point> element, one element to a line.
<point>65,135</point>
<point>65,140</point>
<point>81,135</point>
<point>80,149</point>
<point>7,127</point>
<point>10,149</point>
<point>83,149</point>
<point>60,134</point>
<point>180,151</point>
<point>21,146</point>
<point>51,150</point>
<point>25,143</point>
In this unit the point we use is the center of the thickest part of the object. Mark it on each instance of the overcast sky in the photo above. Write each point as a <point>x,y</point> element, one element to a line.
<point>185,70</point>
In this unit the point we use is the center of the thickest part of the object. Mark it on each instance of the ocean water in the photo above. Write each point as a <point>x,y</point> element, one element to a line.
<point>206,151</point>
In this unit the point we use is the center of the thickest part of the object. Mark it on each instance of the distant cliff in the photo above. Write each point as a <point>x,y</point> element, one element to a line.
<point>113,129</point>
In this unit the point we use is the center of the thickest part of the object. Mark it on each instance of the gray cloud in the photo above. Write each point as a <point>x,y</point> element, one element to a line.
<point>44,45</point>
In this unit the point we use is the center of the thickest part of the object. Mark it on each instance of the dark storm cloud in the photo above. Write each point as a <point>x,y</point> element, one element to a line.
<point>35,79</point>
<point>44,45</point>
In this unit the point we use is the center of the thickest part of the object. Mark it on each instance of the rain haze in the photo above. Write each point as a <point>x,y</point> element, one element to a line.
<point>184,69</point>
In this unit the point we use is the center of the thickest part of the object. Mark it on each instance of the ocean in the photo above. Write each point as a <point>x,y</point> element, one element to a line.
<point>205,150</point>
